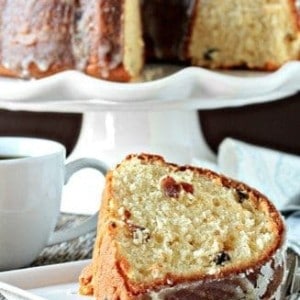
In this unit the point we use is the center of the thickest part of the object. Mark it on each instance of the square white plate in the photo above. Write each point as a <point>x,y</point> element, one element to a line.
<point>57,282</point>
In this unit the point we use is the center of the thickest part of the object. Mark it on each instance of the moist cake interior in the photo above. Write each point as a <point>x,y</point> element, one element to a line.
<point>182,223</point>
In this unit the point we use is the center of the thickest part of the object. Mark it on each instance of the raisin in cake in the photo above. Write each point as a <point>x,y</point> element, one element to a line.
<point>171,232</point>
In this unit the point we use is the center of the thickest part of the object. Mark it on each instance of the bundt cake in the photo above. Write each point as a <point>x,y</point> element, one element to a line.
<point>106,38</point>
<point>171,232</point>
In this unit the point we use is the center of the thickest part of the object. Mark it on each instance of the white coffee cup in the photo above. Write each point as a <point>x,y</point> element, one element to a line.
<point>31,183</point>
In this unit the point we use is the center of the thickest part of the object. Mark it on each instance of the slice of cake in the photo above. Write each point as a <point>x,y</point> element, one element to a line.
<point>171,232</point>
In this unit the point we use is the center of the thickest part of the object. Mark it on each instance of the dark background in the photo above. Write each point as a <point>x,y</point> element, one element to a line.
<point>274,124</point>
<point>63,128</point>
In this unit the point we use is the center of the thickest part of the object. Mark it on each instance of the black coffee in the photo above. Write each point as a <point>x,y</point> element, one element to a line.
<point>5,157</point>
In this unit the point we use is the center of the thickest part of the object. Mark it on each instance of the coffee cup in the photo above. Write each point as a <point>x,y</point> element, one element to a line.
<point>32,175</point>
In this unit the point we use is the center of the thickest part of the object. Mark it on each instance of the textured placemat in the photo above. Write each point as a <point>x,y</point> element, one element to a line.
<point>77,249</point>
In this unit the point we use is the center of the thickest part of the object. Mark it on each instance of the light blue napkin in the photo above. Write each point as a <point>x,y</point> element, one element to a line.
<point>275,174</point>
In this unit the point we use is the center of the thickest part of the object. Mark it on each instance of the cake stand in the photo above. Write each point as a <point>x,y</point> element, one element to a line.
<point>159,116</point>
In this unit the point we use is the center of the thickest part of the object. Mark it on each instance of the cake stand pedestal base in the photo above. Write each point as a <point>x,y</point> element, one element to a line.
<point>110,136</point>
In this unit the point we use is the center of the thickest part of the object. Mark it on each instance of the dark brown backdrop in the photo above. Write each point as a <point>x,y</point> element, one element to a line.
<point>63,128</point>
<point>275,124</point>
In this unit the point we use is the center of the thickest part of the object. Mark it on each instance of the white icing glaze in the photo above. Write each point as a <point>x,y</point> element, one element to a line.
<point>264,278</point>
<point>89,41</point>
<point>36,32</point>
<point>84,27</point>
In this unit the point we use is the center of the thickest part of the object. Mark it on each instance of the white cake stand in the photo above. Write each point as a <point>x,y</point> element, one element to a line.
<point>159,116</point>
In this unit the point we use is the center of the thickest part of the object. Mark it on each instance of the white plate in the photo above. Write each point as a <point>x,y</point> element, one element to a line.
<point>191,87</point>
<point>79,106</point>
<point>57,282</point>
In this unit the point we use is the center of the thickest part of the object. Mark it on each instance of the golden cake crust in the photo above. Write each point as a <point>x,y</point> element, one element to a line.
<point>117,74</point>
<point>35,71</point>
<point>108,269</point>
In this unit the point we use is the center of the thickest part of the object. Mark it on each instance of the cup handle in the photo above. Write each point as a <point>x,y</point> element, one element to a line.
<point>91,223</point>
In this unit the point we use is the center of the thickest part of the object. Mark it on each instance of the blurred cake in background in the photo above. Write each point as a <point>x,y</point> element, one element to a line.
<point>112,39</point>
